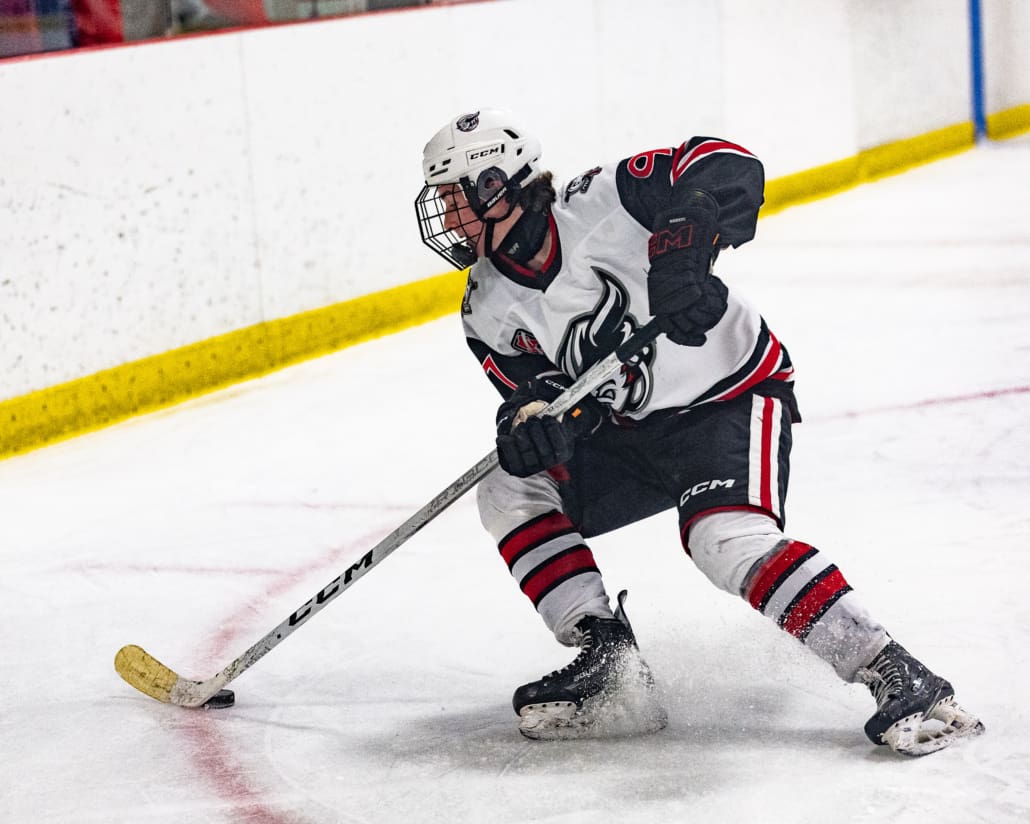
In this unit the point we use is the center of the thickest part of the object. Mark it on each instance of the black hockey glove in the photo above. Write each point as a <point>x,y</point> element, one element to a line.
<point>686,300</point>
<point>528,443</point>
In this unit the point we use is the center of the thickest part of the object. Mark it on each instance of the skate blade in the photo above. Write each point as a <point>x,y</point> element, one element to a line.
<point>616,716</point>
<point>549,722</point>
<point>945,724</point>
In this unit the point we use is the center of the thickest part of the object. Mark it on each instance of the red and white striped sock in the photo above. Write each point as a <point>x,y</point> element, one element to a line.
<point>556,570</point>
<point>807,596</point>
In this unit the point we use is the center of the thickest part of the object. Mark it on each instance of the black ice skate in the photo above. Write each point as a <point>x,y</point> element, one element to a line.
<point>916,710</point>
<point>608,690</point>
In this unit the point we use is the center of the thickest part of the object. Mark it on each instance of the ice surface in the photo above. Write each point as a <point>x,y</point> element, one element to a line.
<point>906,307</point>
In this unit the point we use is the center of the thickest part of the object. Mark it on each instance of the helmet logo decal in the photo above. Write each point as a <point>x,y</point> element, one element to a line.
<point>468,122</point>
<point>592,336</point>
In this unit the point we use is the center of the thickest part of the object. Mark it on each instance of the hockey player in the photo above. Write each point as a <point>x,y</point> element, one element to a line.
<point>701,420</point>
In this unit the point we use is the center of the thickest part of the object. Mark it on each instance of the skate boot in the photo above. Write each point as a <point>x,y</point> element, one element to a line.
<point>608,690</point>
<point>916,710</point>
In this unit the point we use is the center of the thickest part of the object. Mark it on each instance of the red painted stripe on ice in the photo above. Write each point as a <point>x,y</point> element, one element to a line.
<point>173,569</point>
<point>929,402</point>
<point>773,569</point>
<point>215,758</point>
<point>814,601</point>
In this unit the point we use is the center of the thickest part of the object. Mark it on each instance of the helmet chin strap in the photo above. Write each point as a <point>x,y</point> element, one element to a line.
<point>524,239</point>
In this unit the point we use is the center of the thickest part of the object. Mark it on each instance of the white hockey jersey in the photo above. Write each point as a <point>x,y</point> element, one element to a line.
<point>592,293</point>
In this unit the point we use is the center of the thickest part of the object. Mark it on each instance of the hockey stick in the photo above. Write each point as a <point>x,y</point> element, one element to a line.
<point>144,672</point>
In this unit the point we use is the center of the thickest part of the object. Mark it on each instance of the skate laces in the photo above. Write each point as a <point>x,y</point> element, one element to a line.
<point>588,637</point>
<point>591,642</point>
<point>586,643</point>
<point>885,680</point>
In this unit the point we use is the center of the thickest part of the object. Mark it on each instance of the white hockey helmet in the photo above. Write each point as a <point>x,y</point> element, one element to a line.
<point>477,141</point>
<point>490,157</point>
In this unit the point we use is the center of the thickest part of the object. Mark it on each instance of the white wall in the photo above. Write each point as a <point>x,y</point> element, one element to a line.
<point>911,64</point>
<point>788,89</point>
<point>1006,32</point>
<point>157,195</point>
<point>126,224</point>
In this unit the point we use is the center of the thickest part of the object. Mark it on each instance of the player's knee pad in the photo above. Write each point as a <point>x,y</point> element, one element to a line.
<point>506,502</point>
<point>726,545</point>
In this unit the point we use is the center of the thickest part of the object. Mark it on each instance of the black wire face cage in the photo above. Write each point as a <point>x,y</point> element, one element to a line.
<point>431,209</point>
<point>491,187</point>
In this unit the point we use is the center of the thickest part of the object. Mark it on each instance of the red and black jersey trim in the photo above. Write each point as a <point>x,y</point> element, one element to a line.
<point>506,372</point>
<point>660,179</point>
<point>768,361</point>
<point>700,148</point>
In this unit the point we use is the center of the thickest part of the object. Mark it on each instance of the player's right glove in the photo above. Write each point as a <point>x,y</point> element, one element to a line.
<point>528,442</point>
<point>683,296</point>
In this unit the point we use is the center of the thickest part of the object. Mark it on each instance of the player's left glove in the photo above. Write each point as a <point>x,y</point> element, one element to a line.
<point>527,442</point>
<point>683,296</point>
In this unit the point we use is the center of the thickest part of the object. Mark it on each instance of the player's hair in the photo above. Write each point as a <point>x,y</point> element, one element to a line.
<point>538,194</point>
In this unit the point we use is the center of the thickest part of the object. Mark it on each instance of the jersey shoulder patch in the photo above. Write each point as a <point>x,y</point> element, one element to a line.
<point>580,184</point>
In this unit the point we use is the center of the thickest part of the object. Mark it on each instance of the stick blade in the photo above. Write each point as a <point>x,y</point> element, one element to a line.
<point>143,671</point>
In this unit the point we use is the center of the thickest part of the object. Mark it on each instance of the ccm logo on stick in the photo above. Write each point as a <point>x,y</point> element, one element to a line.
<point>332,589</point>
<point>704,486</point>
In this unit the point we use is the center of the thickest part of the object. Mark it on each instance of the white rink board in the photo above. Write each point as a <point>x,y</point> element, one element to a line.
<point>158,195</point>
<point>1006,36</point>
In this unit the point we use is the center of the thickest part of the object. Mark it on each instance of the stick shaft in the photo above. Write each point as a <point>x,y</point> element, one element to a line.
<point>193,693</point>
<point>370,559</point>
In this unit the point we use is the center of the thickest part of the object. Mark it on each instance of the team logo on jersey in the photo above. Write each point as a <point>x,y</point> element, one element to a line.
<point>525,342</point>
<point>466,302</point>
<point>579,185</point>
<point>468,122</point>
<point>592,336</point>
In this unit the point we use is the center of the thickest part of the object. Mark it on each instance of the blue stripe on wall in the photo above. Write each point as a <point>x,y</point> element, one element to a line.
<point>976,54</point>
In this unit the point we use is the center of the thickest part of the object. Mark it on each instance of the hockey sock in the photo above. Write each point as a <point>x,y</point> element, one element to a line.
<point>808,597</point>
<point>556,570</point>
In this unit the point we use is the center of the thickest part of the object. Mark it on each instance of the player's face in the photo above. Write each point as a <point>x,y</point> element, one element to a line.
<point>459,217</point>
<point>462,220</point>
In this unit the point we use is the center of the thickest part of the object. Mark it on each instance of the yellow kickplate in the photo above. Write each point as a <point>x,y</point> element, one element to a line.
<point>144,672</point>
